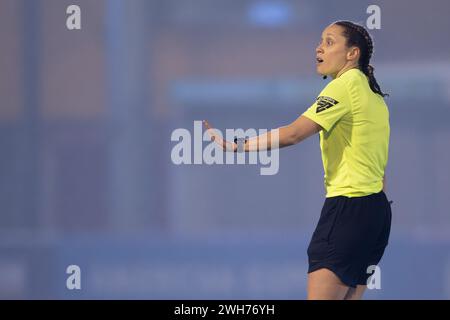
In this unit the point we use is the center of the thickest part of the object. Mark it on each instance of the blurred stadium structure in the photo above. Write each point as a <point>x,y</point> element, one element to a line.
<point>85,171</point>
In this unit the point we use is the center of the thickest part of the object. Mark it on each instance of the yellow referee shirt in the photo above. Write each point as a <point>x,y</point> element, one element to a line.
<point>355,136</point>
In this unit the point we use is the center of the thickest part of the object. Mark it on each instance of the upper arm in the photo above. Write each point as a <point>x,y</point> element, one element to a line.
<point>303,128</point>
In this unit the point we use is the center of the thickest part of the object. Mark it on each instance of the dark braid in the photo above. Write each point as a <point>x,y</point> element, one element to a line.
<point>358,36</point>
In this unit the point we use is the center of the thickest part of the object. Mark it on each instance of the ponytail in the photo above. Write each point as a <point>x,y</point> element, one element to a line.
<point>368,70</point>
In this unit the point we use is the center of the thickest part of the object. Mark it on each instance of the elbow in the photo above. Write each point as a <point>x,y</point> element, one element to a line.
<point>290,136</point>
<point>294,139</point>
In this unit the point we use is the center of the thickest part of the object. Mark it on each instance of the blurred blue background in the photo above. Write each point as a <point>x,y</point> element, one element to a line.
<point>86,176</point>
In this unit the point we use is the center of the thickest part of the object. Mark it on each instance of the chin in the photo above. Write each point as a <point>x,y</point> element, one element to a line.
<point>321,73</point>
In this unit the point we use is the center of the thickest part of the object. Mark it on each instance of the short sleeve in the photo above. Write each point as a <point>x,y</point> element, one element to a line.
<point>330,106</point>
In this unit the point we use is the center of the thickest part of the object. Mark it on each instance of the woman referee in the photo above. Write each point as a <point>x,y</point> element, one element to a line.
<point>353,121</point>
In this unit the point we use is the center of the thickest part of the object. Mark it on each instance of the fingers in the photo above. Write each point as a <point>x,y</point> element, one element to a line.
<point>209,129</point>
<point>226,146</point>
<point>206,123</point>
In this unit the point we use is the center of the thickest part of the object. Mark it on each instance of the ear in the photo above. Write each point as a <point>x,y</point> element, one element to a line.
<point>353,54</point>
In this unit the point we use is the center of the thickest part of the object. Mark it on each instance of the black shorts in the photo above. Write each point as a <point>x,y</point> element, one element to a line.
<point>351,235</point>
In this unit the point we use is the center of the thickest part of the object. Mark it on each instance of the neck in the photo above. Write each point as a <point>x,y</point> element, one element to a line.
<point>345,68</point>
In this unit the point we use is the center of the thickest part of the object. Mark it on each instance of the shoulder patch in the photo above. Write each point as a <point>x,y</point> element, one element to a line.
<point>324,103</point>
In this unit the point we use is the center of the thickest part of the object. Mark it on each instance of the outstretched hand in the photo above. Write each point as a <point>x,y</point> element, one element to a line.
<point>217,138</point>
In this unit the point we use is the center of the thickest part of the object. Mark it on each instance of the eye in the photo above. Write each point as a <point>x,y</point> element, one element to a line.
<point>329,42</point>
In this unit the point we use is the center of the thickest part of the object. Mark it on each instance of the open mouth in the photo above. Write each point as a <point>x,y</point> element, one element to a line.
<point>319,60</point>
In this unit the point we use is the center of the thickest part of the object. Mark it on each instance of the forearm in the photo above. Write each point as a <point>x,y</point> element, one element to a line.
<point>274,139</point>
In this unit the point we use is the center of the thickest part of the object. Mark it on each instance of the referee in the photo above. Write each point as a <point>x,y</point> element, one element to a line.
<point>352,119</point>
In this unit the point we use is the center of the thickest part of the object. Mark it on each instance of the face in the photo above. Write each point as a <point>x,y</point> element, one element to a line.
<point>332,54</point>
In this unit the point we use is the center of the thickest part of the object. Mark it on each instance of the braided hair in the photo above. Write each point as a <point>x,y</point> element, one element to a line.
<point>358,36</point>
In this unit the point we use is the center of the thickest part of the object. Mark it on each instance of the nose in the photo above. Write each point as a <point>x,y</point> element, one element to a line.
<point>319,49</point>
